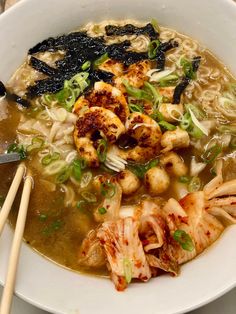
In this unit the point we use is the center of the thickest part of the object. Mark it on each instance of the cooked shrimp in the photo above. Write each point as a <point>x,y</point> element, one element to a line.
<point>175,139</point>
<point>144,129</point>
<point>115,67</point>
<point>81,105</point>
<point>109,97</point>
<point>174,164</point>
<point>93,119</point>
<point>128,181</point>
<point>156,180</point>
<point>136,75</point>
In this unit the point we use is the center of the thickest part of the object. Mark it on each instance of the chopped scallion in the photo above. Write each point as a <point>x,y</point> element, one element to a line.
<point>211,154</point>
<point>169,80</point>
<point>156,26</point>
<point>102,210</point>
<point>156,97</point>
<point>108,189</point>
<point>153,48</point>
<point>184,240</point>
<point>36,144</point>
<point>187,68</point>
<point>14,148</point>
<point>136,108</point>
<point>184,179</point>
<point>100,60</point>
<point>102,150</point>
<point>135,92</point>
<point>166,125</point>
<point>64,175</point>
<point>194,184</point>
<point>127,270</point>
<point>86,65</point>
<point>89,197</point>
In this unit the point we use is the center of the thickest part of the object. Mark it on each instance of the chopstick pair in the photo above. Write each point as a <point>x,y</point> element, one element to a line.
<point>18,234</point>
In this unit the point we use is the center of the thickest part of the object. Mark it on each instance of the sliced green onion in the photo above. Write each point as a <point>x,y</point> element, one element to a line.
<point>86,179</point>
<point>64,175</point>
<point>48,98</point>
<point>184,240</point>
<point>157,98</point>
<point>196,110</point>
<point>211,154</point>
<point>43,217</point>
<point>136,108</point>
<point>166,125</point>
<point>153,48</point>
<point>155,25</point>
<point>81,204</point>
<point>36,144</point>
<point>102,150</point>
<point>186,121</point>
<point>127,270</point>
<point>168,80</point>
<point>157,116</point>
<point>197,123</point>
<point>89,197</point>
<point>100,60</point>
<point>188,68</point>
<point>77,166</point>
<point>195,132</point>
<point>140,169</point>
<point>86,65</point>
<point>102,210</point>
<point>184,179</point>
<point>14,148</point>
<point>50,158</point>
<point>55,167</point>
<point>194,184</point>
<point>108,189</point>
<point>135,92</point>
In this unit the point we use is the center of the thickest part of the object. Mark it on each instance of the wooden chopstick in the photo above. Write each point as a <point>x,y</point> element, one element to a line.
<point>11,196</point>
<point>15,249</point>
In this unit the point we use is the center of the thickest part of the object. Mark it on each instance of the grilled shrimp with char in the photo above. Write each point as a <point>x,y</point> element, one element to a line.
<point>96,119</point>
<point>106,96</point>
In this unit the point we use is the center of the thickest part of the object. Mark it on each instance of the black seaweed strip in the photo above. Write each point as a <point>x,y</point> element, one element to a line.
<point>21,101</point>
<point>2,89</point>
<point>164,47</point>
<point>129,29</point>
<point>179,89</point>
<point>42,67</point>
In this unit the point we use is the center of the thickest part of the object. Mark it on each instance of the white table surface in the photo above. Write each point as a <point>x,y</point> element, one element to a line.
<point>223,305</point>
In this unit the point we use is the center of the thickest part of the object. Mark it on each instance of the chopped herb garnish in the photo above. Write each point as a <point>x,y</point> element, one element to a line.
<point>77,167</point>
<point>89,197</point>
<point>36,144</point>
<point>64,175</point>
<point>156,97</point>
<point>155,25</point>
<point>108,189</point>
<point>14,148</point>
<point>188,68</point>
<point>153,48</point>
<point>184,240</point>
<point>140,169</point>
<point>102,210</point>
<point>100,60</point>
<point>168,80</point>
<point>43,217</point>
<point>166,125</point>
<point>136,108</point>
<point>46,160</point>
<point>86,65</point>
<point>127,270</point>
<point>102,150</point>
<point>184,179</point>
<point>137,93</point>
<point>194,184</point>
<point>211,154</point>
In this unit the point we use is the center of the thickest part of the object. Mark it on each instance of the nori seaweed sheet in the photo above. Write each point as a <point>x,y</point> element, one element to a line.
<point>129,29</point>
<point>13,97</point>
<point>179,89</point>
<point>164,47</point>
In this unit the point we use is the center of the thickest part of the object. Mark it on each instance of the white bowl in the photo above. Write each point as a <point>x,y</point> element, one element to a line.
<point>55,289</point>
